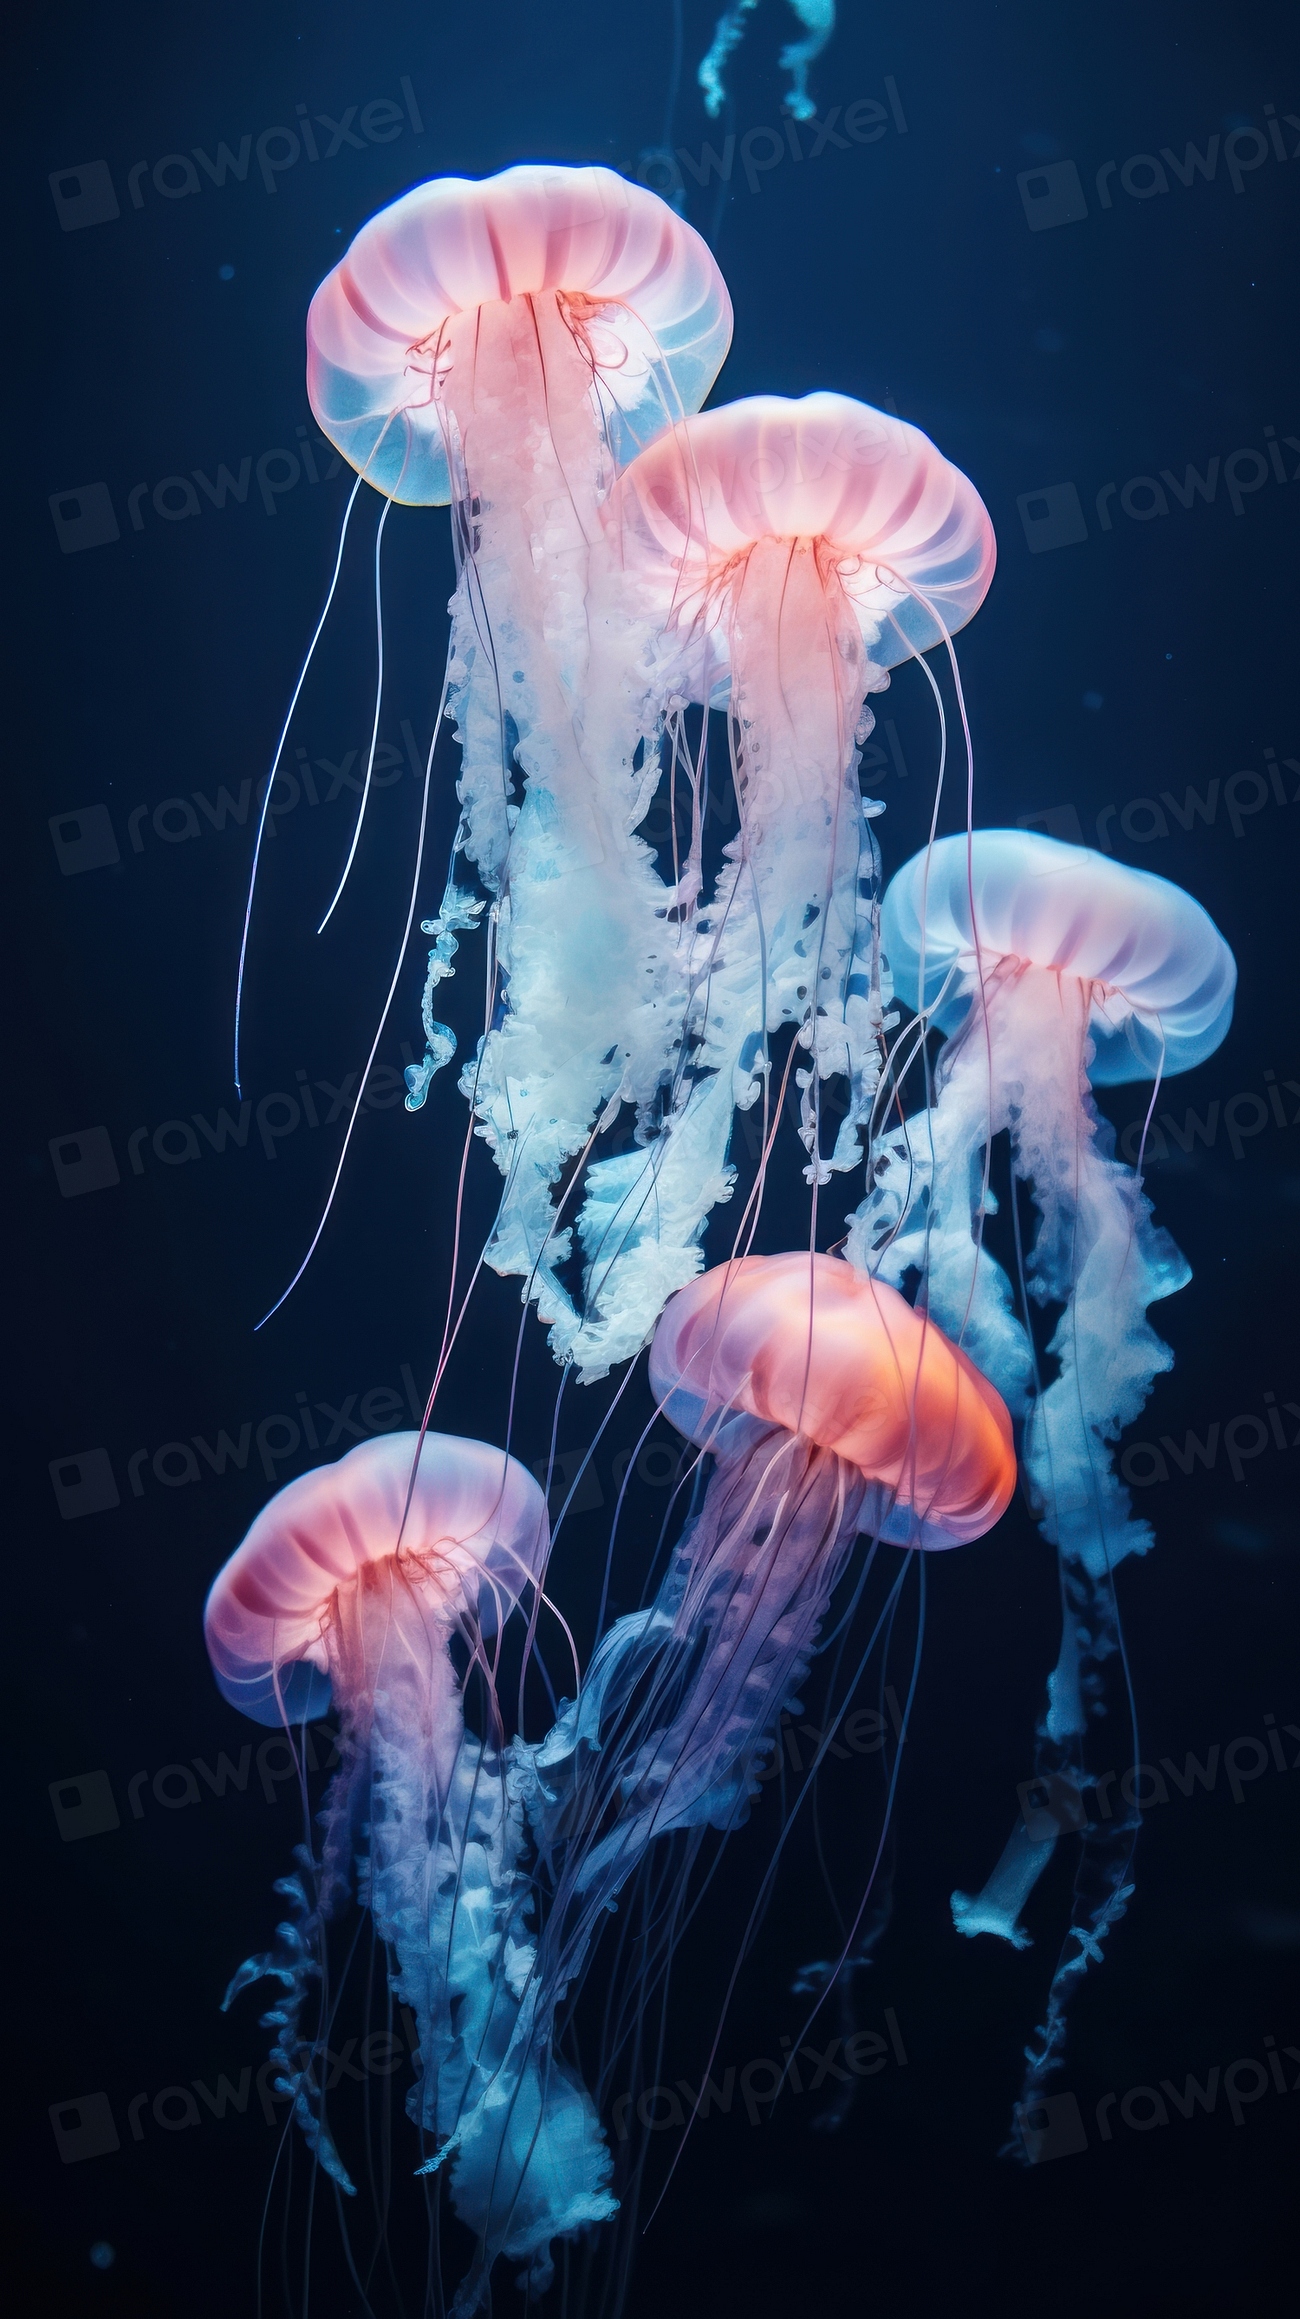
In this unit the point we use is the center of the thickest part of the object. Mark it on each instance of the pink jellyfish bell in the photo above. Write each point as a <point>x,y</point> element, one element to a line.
<point>794,552</point>
<point>821,501</point>
<point>540,296</point>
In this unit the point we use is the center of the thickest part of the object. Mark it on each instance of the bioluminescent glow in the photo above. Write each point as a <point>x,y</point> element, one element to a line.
<point>533,351</point>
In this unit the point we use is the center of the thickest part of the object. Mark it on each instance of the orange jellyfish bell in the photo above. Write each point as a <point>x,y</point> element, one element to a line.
<point>808,1344</point>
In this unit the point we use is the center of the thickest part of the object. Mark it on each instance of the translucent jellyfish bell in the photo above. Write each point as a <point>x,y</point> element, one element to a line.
<point>1161,976</point>
<point>902,528</point>
<point>829,1408</point>
<point>635,278</point>
<point>278,1612</point>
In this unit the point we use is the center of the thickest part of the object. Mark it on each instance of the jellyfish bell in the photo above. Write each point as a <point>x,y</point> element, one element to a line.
<point>280,1618</point>
<point>592,285</point>
<point>1159,978</point>
<point>354,1582</point>
<point>891,526</point>
<point>793,552</point>
<point>806,1344</point>
<point>1049,967</point>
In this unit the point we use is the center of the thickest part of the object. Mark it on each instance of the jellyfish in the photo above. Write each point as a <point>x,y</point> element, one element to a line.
<point>827,1408</point>
<point>818,20</point>
<point>507,345</point>
<point>353,1584</point>
<point>1050,968</point>
<point>794,552</point>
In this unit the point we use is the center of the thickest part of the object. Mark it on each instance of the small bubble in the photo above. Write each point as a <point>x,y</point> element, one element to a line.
<point>102,2255</point>
<point>225,273</point>
<point>1094,700</point>
<point>1169,656</point>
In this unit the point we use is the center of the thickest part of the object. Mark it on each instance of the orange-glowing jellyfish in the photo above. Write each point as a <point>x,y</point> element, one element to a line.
<point>828,1407</point>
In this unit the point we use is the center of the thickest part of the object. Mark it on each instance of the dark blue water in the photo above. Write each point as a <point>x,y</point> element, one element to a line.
<point>988,231</point>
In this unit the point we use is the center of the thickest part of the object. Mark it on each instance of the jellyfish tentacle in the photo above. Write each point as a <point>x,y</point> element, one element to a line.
<point>374,727</point>
<point>275,767</point>
<point>355,1112</point>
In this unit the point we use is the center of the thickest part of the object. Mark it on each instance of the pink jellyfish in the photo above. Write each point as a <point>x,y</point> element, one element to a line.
<point>355,1581</point>
<point>507,345</point>
<point>794,552</point>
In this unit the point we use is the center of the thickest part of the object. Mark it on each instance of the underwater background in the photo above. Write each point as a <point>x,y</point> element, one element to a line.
<point>994,228</point>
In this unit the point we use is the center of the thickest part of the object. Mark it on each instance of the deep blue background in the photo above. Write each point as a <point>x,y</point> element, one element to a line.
<point>1145,658</point>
